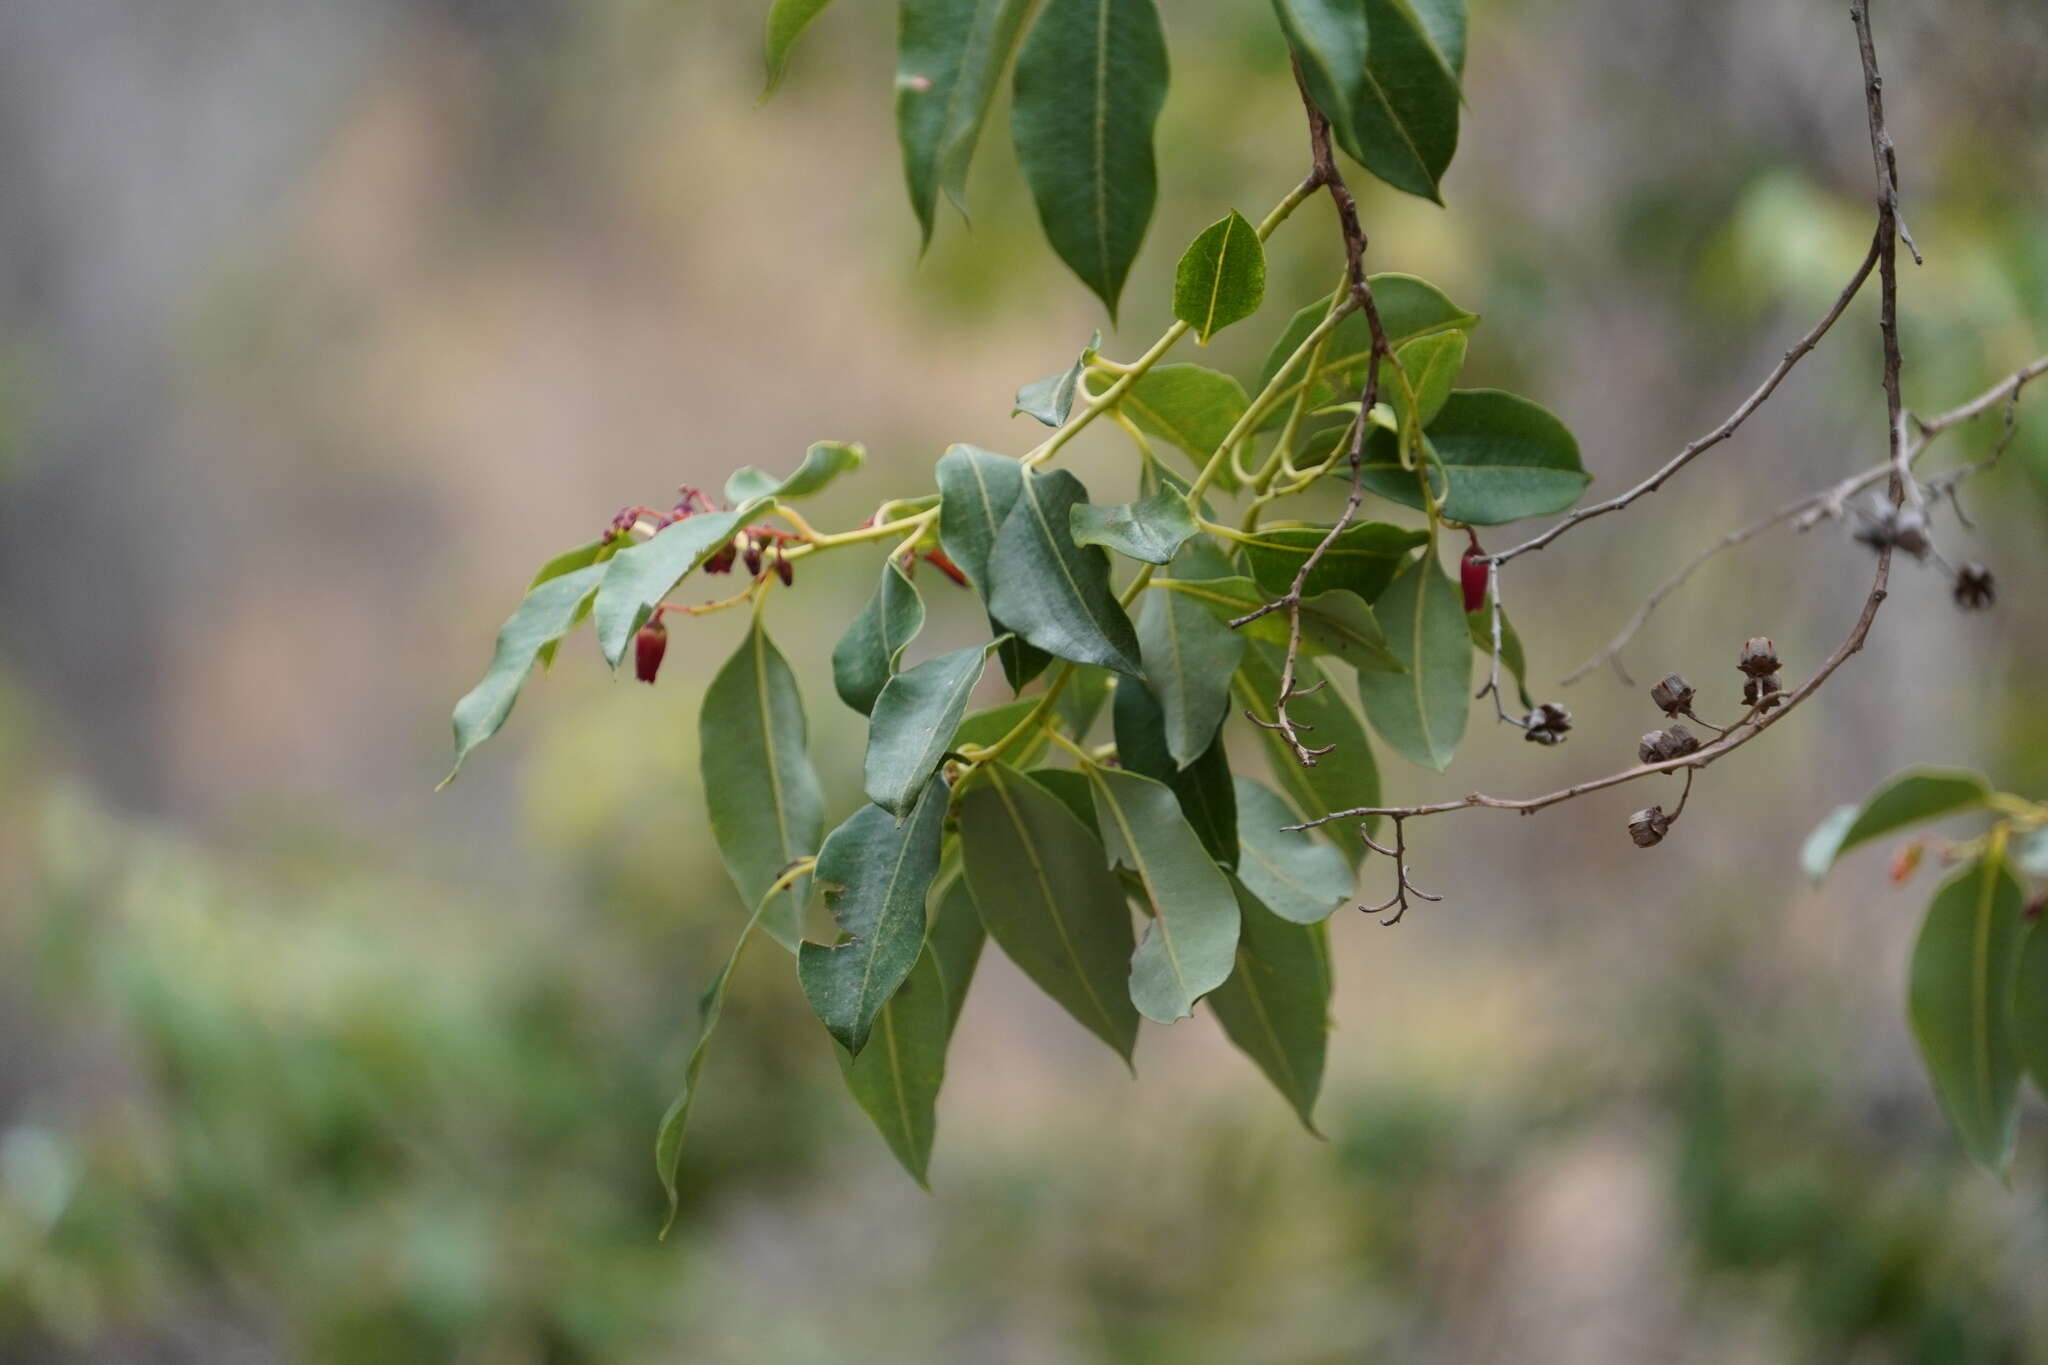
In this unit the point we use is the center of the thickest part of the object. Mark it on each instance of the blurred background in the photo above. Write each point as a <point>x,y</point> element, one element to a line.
<point>322,324</point>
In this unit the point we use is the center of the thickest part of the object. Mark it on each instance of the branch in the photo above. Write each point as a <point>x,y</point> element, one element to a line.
<point>1811,508</point>
<point>1766,712</point>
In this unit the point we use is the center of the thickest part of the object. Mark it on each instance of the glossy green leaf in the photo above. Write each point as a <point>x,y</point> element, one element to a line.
<point>1202,787</point>
<point>1431,365</point>
<point>1330,39</point>
<point>1046,896</point>
<point>1907,798</point>
<point>639,576</point>
<point>1295,877</point>
<point>1276,1005</point>
<point>787,20</point>
<point>1444,22</point>
<point>1052,592</point>
<point>1072,789</point>
<point>1504,457</point>
<point>1051,400</point>
<point>762,794</point>
<point>543,616</point>
<point>1409,308</point>
<point>1341,779</point>
<point>2030,1003</point>
<point>1362,560</point>
<point>675,1123</point>
<point>913,722</point>
<point>950,56</point>
<point>1152,529</point>
<point>1191,944</point>
<point>1090,81</point>
<point>824,462</point>
<point>955,942</point>
<point>1404,112</point>
<point>977,490</point>
<point>1191,406</point>
<point>1479,624</point>
<point>875,871</point>
<point>1221,278</point>
<point>867,656</point>
<point>1337,622</point>
<point>1964,968</point>
<point>896,1079</point>
<point>1189,656</point>
<point>1421,712</point>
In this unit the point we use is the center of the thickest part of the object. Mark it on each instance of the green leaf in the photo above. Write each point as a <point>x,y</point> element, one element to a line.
<point>1152,529</point>
<point>913,722</point>
<point>1050,400</point>
<point>986,727</point>
<point>1276,1004</point>
<point>2030,1003</point>
<point>1404,112</point>
<point>1295,877</point>
<point>1080,702</point>
<point>787,20</point>
<point>1189,655</point>
<point>1409,308</point>
<point>1189,405</point>
<point>668,1136</point>
<point>543,616</point>
<point>1052,592</point>
<point>1045,894</point>
<point>1336,622</point>
<point>1505,458</point>
<point>950,55</point>
<point>896,1081</point>
<point>1191,944</point>
<point>1479,624</point>
<point>1431,364</point>
<point>1421,712</point>
<point>1089,85</point>
<point>1330,39</point>
<point>639,576</point>
<point>1906,798</point>
<point>1073,790</point>
<point>867,656</point>
<point>875,871</point>
<point>1221,278</point>
<point>1362,560</point>
<point>1341,779</point>
<point>1202,788</point>
<point>1964,968</point>
<point>977,490</point>
<point>1444,22</point>
<point>955,943</point>
<point>582,557</point>
<point>824,462</point>
<point>766,807</point>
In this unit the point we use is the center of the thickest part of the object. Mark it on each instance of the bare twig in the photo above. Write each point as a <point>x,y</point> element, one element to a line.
<point>1404,885</point>
<point>1829,502</point>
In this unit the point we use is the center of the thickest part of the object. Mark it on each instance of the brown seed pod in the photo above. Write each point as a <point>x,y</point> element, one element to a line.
<point>1974,586</point>
<point>1647,827</point>
<point>1673,695</point>
<point>1759,657</point>
<point>1547,724</point>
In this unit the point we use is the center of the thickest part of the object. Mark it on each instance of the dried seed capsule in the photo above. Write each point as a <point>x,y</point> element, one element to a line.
<point>1673,696</point>
<point>1472,574</point>
<point>1647,827</point>
<point>1763,692</point>
<point>1974,587</point>
<point>1909,532</point>
<point>1662,745</point>
<point>648,647</point>
<point>1759,658</point>
<point>1547,724</point>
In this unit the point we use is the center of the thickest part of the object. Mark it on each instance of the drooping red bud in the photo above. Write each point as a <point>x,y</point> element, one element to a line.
<point>784,570</point>
<point>721,562</point>
<point>1472,573</point>
<point>940,561</point>
<point>648,647</point>
<point>750,554</point>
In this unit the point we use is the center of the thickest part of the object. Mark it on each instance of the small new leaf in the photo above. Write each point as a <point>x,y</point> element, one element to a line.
<point>914,719</point>
<point>1152,529</point>
<point>867,656</point>
<point>1221,278</point>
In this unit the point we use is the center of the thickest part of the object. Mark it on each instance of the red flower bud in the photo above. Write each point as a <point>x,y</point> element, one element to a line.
<point>940,561</point>
<point>751,554</point>
<point>721,562</point>
<point>648,647</point>
<point>1472,573</point>
<point>784,570</point>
